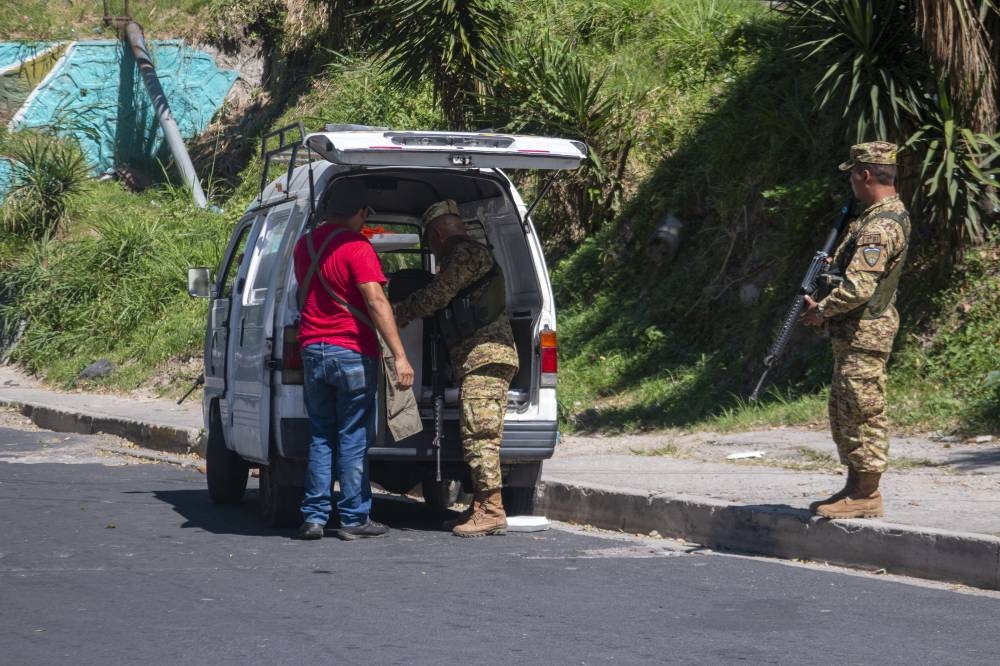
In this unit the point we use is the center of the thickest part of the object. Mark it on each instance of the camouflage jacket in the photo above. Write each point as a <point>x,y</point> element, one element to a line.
<point>466,262</point>
<point>878,244</point>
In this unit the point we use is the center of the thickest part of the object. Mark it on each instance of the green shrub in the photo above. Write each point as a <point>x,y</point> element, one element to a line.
<point>47,170</point>
<point>885,84</point>
<point>115,290</point>
<point>450,44</point>
<point>948,364</point>
<point>251,22</point>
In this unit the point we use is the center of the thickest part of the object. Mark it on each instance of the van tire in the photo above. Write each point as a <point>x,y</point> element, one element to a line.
<point>279,504</point>
<point>225,471</point>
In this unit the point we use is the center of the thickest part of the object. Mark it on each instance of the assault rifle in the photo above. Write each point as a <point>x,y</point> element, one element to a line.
<point>197,382</point>
<point>437,393</point>
<point>808,287</point>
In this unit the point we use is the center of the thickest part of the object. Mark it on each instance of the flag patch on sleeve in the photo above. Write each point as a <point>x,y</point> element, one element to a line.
<point>871,255</point>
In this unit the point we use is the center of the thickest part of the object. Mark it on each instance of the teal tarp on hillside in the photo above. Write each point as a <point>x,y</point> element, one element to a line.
<point>97,95</point>
<point>22,67</point>
<point>5,178</point>
<point>14,53</point>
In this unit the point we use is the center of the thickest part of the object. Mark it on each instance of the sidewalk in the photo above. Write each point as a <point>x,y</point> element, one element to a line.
<point>942,498</point>
<point>156,424</point>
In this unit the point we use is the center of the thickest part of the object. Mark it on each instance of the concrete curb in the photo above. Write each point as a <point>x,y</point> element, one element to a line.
<point>781,531</point>
<point>171,439</point>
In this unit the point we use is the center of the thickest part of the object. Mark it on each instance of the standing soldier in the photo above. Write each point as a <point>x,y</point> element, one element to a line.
<point>469,297</point>
<point>862,321</point>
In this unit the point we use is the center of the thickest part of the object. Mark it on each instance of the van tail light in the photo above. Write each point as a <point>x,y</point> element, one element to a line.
<point>291,357</point>
<point>550,357</point>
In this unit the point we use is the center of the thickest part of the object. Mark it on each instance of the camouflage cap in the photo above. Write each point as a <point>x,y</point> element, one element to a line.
<point>873,152</point>
<point>439,208</point>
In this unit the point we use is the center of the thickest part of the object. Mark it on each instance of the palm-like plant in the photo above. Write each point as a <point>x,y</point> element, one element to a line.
<point>923,74</point>
<point>450,42</point>
<point>542,85</point>
<point>46,171</point>
<point>957,174</point>
<point>874,72</point>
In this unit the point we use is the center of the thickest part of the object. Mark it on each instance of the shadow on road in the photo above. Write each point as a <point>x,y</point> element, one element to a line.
<point>244,518</point>
<point>976,460</point>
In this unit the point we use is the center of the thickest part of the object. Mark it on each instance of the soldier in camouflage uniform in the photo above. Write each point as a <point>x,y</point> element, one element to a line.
<point>484,361</point>
<point>862,321</point>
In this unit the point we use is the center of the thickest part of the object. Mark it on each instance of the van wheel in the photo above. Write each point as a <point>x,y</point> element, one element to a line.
<point>519,500</point>
<point>279,504</point>
<point>225,471</point>
<point>440,494</point>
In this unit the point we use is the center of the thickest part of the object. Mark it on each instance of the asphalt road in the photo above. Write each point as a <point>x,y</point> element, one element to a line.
<point>109,563</point>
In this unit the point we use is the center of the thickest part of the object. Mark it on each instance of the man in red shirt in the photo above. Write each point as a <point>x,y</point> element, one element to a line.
<point>342,303</point>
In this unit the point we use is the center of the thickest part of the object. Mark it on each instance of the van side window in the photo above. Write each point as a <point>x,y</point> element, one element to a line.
<point>232,267</point>
<point>265,256</point>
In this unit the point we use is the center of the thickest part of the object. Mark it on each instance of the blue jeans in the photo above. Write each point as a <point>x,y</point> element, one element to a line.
<point>340,395</point>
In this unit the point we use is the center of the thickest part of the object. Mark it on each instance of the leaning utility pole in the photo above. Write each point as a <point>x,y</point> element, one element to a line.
<point>131,32</point>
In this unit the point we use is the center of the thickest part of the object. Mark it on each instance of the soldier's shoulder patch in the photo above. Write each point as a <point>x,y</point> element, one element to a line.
<point>870,238</point>
<point>871,255</point>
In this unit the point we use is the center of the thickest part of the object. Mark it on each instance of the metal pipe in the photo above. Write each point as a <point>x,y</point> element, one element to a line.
<point>132,32</point>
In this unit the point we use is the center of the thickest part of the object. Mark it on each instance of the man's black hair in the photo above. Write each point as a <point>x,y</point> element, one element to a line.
<point>883,174</point>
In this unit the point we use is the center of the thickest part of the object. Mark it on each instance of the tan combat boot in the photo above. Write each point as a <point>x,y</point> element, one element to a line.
<point>487,517</point>
<point>852,478</point>
<point>461,518</point>
<point>864,502</point>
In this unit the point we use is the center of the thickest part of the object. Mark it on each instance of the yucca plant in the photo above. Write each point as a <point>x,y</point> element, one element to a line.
<point>543,86</point>
<point>923,74</point>
<point>450,42</point>
<point>875,73</point>
<point>46,170</point>
<point>958,174</point>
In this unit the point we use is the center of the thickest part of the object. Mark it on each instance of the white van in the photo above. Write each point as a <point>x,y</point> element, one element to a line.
<point>253,405</point>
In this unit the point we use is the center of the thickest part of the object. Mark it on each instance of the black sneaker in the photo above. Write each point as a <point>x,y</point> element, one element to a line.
<point>310,531</point>
<point>367,531</point>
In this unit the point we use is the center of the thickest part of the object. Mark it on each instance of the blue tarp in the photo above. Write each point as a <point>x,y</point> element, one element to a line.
<point>96,94</point>
<point>5,177</point>
<point>14,53</point>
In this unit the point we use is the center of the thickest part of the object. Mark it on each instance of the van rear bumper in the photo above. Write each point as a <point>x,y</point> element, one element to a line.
<point>523,441</point>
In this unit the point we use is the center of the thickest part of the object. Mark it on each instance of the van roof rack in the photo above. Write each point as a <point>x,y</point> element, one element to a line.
<point>285,144</point>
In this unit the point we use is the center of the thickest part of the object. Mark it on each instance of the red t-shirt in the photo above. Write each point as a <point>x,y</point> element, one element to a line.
<point>348,260</point>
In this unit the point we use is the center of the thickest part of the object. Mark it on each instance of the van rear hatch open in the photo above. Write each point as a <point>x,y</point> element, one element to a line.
<point>469,150</point>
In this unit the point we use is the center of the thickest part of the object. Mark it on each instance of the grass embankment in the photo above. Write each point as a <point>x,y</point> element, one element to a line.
<point>114,287</point>
<point>725,137</point>
<point>83,19</point>
<point>749,167</point>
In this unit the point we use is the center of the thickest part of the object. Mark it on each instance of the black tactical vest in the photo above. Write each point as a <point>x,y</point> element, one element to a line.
<point>474,307</point>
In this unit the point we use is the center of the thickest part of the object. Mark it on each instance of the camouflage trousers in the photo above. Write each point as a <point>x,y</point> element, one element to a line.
<point>484,405</point>
<point>857,409</point>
